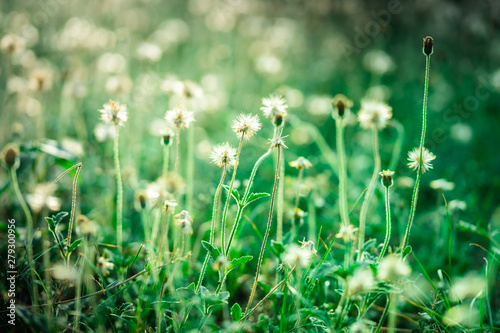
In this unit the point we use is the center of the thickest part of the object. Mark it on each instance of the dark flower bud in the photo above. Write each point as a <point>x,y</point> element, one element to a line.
<point>11,155</point>
<point>387,177</point>
<point>428,43</point>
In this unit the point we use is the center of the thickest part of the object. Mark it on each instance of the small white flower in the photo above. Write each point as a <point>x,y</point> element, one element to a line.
<point>274,106</point>
<point>455,205</point>
<point>278,142</point>
<point>298,256</point>
<point>246,125</point>
<point>63,272</point>
<point>468,286</point>
<point>114,113</point>
<point>375,114</point>
<point>149,51</point>
<point>442,185</point>
<point>184,221</point>
<point>347,232</point>
<point>414,158</point>
<point>179,117</point>
<point>361,281</point>
<point>301,163</point>
<point>309,245</point>
<point>391,268</point>
<point>105,265</point>
<point>223,155</point>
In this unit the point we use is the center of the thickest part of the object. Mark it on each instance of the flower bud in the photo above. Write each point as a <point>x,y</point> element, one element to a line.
<point>428,43</point>
<point>387,177</point>
<point>11,155</point>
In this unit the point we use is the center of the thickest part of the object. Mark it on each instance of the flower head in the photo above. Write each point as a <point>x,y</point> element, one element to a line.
<point>361,281</point>
<point>309,245</point>
<point>10,154</point>
<point>184,221</point>
<point>278,142</point>
<point>223,155</point>
<point>114,113</point>
<point>298,256</point>
<point>11,44</point>
<point>179,117</point>
<point>104,265</point>
<point>301,163</point>
<point>348,232</point>
<point>246,125</point>
<point>442,185</point>
<point>85,226</point>
<point>342,104</point>
<point>391,268</point>
<point>374,113</point>
<point>415,162</point>
<point>387,177</point>
<point>274,107</point>
<point>428,46</point>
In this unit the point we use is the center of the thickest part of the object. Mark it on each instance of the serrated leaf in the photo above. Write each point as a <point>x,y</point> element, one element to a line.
<point>236,262</point>
<point>236,312</point>
<point>234,194</point>
<point>255,196</point>
<point>58,218</point>
<point>407,251</point>
<point>212,250</point>
<point>74,245</point>
<point>278,247</point>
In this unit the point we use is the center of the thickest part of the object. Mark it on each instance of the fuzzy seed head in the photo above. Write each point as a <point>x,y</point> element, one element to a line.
<point>184,221</point>
<point>298,256</point>
<point>179,117</point>
<point>415,162</point>
<point>375,114</point>
<point>278,142</point>
<point>273,107</point>
<point>41,197</point>
<point>442,185</point>
<point>360,282</point>
<point>114,113</point>
<point>246,125</point>
<point>301,163</point>
<point>223,155</point>
<point>391,268</point>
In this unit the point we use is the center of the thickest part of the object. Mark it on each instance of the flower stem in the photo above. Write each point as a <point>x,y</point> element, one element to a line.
<point>342,185</point>
<point>280,206</point>
<point>166,153</point>
<point>269,220</point>
<point>388,223</point>
<point>419,172</point>
<point>178,151</point>
<point>119,196</point>
<point>369,193</point>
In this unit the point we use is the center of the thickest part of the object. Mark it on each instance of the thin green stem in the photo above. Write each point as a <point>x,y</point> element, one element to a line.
<point>342,185</point>
<point>269,220</point>
<point>388,223</point>
<point>369,193</point>
<point>190,169</point>
<point>419,173</point>
<point>29,232</point>
<point>280,206</point>
<point>178,150</point>
<point>228,199</point>
<point>119,194</point>
<point>166,153</point>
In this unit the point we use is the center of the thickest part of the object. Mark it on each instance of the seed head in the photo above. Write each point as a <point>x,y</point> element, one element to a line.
<point>114,113</point>
<point>246,125</point>
<point>274,107</point>
<point>374,113</point>
<point>391,268</point>
<point>414,158</point>
<point>301,163</point>
<point>360,282</point>
<point>179,117</point>
<point>387,180</point>
<point>85,226</point>
<point>428,46</point>
<point>342,104</point>
<point>223,155</point>
<point>278,142</point>
<point>184,221</point>
<point>10,155</point>
<point>298,256</point>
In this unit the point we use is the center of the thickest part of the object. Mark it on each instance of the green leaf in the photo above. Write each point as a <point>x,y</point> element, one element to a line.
<point>234,193</point>
<point>236,312</point>
<point>74,245</point>
<point>236,262</point>
<point>278,247</point>
<point>192,286</point>
<point>255,196</point>
<point>211,299</point>
<point>52,224</point>
<point>407,251</point>
<point>58,218</point>
<point>212,250</point>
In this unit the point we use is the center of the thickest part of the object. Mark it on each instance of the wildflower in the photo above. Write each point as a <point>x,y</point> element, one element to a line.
<point>301,163</point>
<point>191,90</point>
<point>10,154</point>
<point>347,232</point>
<point>224,155</point>
<point>184,220</point>
<point>278,142</point>
<point>342,104</point>
<point>119,84</point>
<point>275,108</point>
<point>462,314</point>
<point>387,180</point>
<point>246,125</point>
<point>85,226</point>
<point>428,46</point>
<point>40,79</point>
<point>361,281</point>
<point>455,205</point>
<point>299,214</point>
<point>406,182</point>
<point>156,192</point>
<point>179,117</point>
<point>170,204</point>
<point>63,272</point>
<point>298,256</point>
<point>11,44</point>
<point>42,197</point>
<point>114,113</point>
<point>414,158</point>
<point>442,185</point>
<point>104,265</point>
<point>309,245</point>
<point>166,136</point>
<point>392,268</point>
<point>468,286</point>
<point>374,114</point>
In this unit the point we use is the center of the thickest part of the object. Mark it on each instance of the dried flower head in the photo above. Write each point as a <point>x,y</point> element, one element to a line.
<point>278,142</point>
<point>184,221</point>
<point>42,197</point>
<point>387,180</point>
<point>274,107</point>
<point>223,155</point>
<point>442,185</point>
<point>10,154</point>
<point>342,104</point>
<point>40,79</point>
<point>246,125</point>
<point>105,265</point>
<point>391,268</point>
<point>114,113</point>
<point>301,163</point>
<point>179,117</point>
<point>85,226</point>
<point>374,114</point>
<point>415,162</point>
<point>428,46</point>
<point>360,282</point>
<point>298,256</point>
<point>468,286</point>
<point>63,272</point>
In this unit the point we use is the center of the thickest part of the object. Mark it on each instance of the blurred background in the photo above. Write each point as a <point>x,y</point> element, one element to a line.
<point>62,60</point>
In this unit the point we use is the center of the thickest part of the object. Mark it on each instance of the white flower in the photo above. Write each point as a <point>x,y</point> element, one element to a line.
<point>455,205</point>
<point>361,281</point>
<point>298,256</point>
<point>414,158</point>
<point>179,117</point>
<point>301,163</point>
<point>309,245</point>
<point>442,185</point>
<point>347,232</point>
<point>274,106</point>
<point>184,221</point>
<point>391,268</point>
<point>104,265</point>
<point>63,272</point>
<point>468,286</point>
<point>246,125</point>
<point>374,113</point>
<point>42,197</point>
<point>223,155</point>
<point>278,142</point>
<point>114,113</point>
